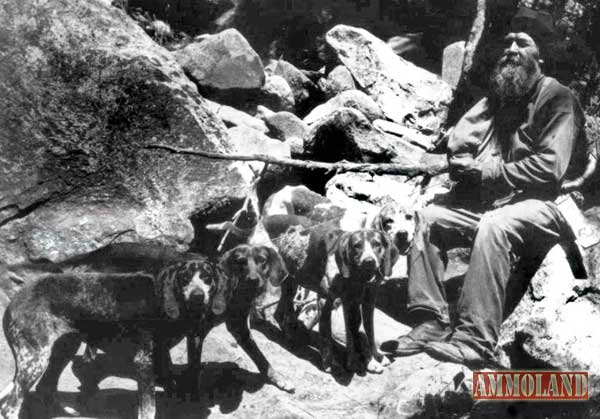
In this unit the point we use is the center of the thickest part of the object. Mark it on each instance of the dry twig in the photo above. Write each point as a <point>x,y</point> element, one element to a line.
<point>431,164</point>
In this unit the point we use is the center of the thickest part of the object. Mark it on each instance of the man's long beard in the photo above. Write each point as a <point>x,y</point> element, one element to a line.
<point>512,78</point>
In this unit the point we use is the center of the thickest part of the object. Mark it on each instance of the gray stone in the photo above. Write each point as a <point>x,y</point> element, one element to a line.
<point>288,128</point>
<point>249,141</point>
<point>302,88</point>
<point>379,190</point>
<point>402,90</point>
<point>452,63</point>
<point>85,102</point>
<point>223,61</point>
<point>337,81</point>
<point>277,94</point>
<point>349,99</point>
<point>412,135</point>
<point>555,323</point>
<point>347,134</point>
<point>234,117</point>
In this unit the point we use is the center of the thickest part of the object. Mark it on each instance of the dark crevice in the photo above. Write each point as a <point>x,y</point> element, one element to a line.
<point>23,212</point>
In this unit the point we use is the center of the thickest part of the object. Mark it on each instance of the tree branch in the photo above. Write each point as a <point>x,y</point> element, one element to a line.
<point>474,37</point>
<point>431,164</point>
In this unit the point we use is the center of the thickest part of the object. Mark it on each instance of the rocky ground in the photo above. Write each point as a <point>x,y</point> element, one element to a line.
<point>231,386</point>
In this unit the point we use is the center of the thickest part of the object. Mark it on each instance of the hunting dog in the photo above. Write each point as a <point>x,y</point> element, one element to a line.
<point>126,257</point>
<point>245,271</point>
<point>300,201</point>
<point>135,317</point>
<point>337,264</point>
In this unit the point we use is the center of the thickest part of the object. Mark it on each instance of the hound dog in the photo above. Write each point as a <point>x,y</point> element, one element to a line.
<point>126,257</point>
<point>300,201</point>
<point>335,263</point>
<point>132,317</point>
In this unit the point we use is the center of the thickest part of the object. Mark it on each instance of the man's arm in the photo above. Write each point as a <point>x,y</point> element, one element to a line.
<point>548,162</point>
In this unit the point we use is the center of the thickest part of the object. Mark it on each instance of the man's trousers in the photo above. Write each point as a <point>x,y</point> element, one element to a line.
<point>499,238</point>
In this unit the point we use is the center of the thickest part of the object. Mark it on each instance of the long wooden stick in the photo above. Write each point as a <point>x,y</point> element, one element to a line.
<point>429,163</point>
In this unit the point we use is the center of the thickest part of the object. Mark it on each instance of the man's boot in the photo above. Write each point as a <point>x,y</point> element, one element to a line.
<point>432,330</point>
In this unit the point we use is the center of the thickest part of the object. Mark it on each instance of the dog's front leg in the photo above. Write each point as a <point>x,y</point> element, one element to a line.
<point>195,339</point>
<point>144,369</point>
<point>350,305</point>
<point>377,361</point>
<point>284,314</point>
<point>238,326</point>
<point>325,334</point>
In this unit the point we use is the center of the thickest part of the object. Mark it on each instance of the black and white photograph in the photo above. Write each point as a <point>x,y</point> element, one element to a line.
<point>296,209</point>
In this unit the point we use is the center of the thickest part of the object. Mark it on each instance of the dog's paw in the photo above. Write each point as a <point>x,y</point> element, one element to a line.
<point>54,407</point>
<point>353,363</point>
<point>381,358</point>
<point>385,361</point>
<point>374,366</point>
<point>280,381</point>
<point>326,357</point>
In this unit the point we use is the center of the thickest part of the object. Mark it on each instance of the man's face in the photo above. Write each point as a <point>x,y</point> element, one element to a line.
<point>516,70</point>
<point>518,47</point>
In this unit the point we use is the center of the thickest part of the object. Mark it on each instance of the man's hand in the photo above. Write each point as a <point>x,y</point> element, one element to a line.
<point>463,167</point>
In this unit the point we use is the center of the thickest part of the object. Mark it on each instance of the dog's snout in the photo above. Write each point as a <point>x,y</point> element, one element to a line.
<point>197,294</point>
<point>401,238</point>
<point>369,262</point>
<point>253,277</point>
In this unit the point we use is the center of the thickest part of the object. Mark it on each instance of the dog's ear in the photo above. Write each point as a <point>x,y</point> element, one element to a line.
<point>227,281</point>
<point>219,301</point>
<point>342,255</point>
<point>390,255</point>
<point>331,239</point>
<point>277,272</point>
<point>170,290</point>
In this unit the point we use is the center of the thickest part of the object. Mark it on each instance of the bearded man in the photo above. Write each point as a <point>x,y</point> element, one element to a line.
<point>510,155</point>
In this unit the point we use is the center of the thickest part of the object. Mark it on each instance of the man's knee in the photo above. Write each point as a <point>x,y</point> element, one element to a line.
<point>430,214</point>
<point>494,228</point>
<point>428,225</point>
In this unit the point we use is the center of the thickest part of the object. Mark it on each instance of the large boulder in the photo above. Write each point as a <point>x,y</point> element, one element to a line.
<point>249,141</point>
<point>377,189</point>
<point>289,128</point>
<point>304,90</point>
<point>411,135</point>
<point>277,94</point>
<point>337,81</point>
<point>555,323</point>
<point>223,61</point>
<point>404,91</point>
<point>347,134</point>
<point>83,89</point>
<point>234,117</point>
<point>349,99</point>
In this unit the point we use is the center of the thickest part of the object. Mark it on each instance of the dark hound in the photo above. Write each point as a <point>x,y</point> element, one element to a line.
<point>132,317</point>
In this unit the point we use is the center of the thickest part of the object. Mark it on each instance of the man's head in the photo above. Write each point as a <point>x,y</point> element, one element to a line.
<point>519,64</point>
<point>516,70</point>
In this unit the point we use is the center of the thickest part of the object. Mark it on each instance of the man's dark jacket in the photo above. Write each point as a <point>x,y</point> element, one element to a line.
<point>524,154</point>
